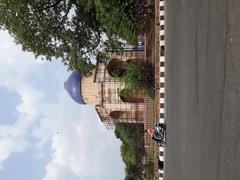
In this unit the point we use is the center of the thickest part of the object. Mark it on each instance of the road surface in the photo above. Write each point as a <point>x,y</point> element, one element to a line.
<point>203,90</point>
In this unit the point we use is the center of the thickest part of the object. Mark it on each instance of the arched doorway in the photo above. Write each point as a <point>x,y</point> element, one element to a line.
<point>116,68</point>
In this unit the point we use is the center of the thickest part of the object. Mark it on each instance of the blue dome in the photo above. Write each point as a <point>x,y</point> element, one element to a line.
<point>72,86</point>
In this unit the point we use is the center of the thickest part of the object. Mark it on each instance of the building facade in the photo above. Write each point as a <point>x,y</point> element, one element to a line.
<point>104,89</point>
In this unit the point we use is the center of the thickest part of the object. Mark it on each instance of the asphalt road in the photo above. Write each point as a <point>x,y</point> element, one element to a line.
<point>203,90</point>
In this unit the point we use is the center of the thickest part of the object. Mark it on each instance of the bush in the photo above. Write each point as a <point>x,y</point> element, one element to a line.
<point>117,18</point>
<point>138,79</point>
<point>133,76</point>
<point>131,136</point>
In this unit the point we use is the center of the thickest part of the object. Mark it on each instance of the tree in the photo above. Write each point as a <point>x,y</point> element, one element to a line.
<point>117,16</point>
<point>70,30</point>
<point>131,136</point>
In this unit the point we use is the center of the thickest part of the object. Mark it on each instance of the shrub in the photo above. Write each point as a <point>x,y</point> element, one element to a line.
<point>138,79</point>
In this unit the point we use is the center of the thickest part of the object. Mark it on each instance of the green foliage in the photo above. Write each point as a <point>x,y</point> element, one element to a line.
<point>117,16</point>
<point>80,66</point>
<point>131,136</point>
<point>149,167</point>
<point>133,76</point>
<point>69,30</point>
<point>47,29</point>
<point>128,134</point>
<point>132,172</point>
<point>135,80</point>
<point>128,154</point>
<point>150,170</point>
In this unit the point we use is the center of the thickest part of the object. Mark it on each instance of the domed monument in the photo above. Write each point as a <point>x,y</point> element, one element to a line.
<point>82,89</point>
<point>103,90</point>
<point>72,86</point>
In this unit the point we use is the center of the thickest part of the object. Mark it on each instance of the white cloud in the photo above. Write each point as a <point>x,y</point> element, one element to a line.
<point>15,66</point>
<point>8,145</point>
<point>79,143</point>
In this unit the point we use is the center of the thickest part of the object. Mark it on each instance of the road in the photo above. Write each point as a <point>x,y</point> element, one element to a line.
<point>203,90</point>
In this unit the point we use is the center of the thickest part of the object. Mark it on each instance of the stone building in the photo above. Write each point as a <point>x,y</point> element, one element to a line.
<point>104,89</point>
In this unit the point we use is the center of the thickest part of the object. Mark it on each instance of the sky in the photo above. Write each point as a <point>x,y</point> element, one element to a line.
<point>44,134</point>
